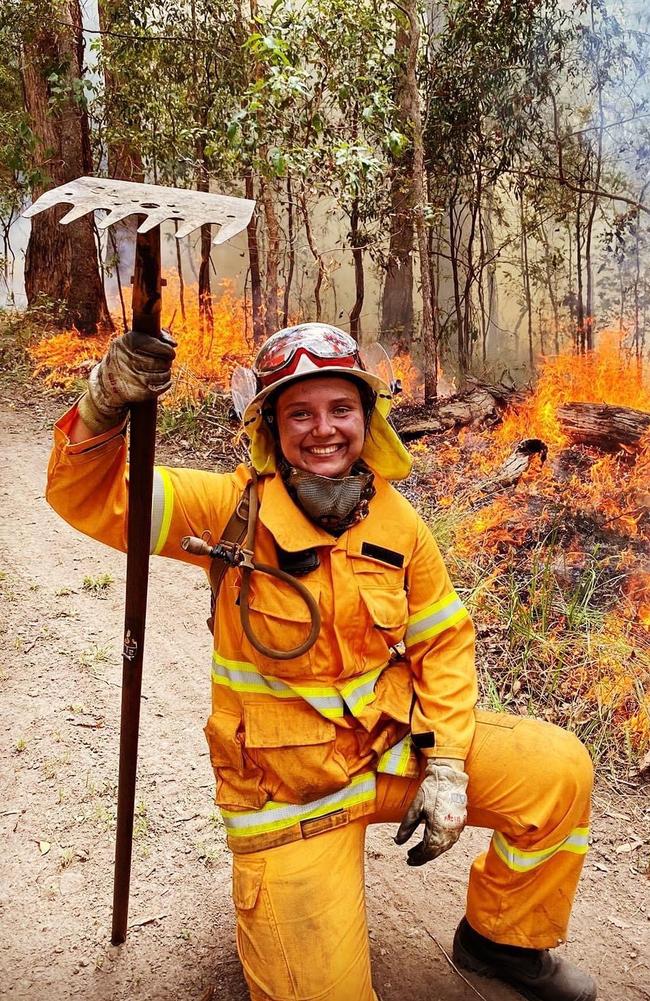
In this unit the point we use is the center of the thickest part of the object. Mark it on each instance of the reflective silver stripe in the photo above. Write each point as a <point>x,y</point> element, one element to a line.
<point>249,681</point>
<point>435,619</point>
<point>520,860</point>
<point>278,816</point>
<point>241,676</point>
<point>162,506</point>
<point>360,691</point>
<point>397,759</point>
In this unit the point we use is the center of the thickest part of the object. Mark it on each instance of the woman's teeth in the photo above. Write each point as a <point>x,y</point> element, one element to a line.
<point>324,450</point>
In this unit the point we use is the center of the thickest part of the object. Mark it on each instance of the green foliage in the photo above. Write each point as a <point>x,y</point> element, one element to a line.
<point>534,115</point>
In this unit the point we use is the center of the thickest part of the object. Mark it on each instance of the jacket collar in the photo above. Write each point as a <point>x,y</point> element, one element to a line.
<point>293,531</point>
<point>289,526</point>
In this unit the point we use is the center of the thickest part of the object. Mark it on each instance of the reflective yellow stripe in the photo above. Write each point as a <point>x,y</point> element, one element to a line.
<point>520,860</point>
<point>241,676</point>
<point>278,816</point>
<point>400,759</point>
<point>434,619</point>
<point>360,691</point>
<point>162,506</point>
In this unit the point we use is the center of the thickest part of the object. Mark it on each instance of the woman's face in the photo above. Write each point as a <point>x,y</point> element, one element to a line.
<point>321,425</point>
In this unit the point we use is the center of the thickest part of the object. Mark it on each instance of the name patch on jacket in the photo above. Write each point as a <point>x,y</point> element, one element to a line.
<point>388,556</point>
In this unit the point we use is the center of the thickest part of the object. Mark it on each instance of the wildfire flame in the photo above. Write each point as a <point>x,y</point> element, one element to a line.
<point>563,555</point>
<point>610,374</point>
<point>206,354</point>
<point>411,380</point>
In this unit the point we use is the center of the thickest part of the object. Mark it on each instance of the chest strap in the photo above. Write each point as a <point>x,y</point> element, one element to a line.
<point>233,535</point>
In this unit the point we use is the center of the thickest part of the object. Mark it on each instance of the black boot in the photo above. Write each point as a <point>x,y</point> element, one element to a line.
<point>538,974</point>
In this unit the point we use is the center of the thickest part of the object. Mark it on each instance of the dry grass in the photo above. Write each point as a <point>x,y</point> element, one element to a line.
<point>560,634</point>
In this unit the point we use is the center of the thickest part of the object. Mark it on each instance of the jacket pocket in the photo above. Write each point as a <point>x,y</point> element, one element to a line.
<point>296,750</point>
<point>261,949</point>
<point>247,878</point>
<point>388,611</point>
<point>239,782</point>
<point>280,619</point>
<point>224,736</point>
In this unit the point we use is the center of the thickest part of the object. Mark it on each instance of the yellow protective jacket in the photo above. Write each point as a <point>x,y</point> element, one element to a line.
<point>295,740</point>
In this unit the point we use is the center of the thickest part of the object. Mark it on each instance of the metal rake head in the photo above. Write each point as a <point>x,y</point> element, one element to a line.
<point>159,204</point>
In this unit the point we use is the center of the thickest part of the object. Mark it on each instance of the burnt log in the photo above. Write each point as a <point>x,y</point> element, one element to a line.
<point>510,472</point>
<point>606,427</point>
<point>468,408</point>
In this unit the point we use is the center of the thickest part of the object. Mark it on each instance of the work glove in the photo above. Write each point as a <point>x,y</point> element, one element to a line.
<point>136,368</point>
<point>441,804</point>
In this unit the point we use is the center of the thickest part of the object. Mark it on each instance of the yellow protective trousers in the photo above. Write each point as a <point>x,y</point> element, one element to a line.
<point>301,921</point>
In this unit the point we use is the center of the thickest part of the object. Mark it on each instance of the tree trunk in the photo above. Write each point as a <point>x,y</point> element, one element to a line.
<point>124,160</point>
<point>453,255</point>
<point>397,297</point>
<point>205,286</point>
<point>181,279</point>
<point>589,332</point>
<point>292,252</point>
<point>589,317</point>
<point>430,345</point>
<point>525,273</point>
<point>356,243</point>
<point>318,257</point>
<point>470,408</point>
<point>254,264</point>
<point>603,426</point>
<point>272,256</point>
<point>470,275</point>
<point>580,302</point>
<point>61,262</point>
<point>550,285</point>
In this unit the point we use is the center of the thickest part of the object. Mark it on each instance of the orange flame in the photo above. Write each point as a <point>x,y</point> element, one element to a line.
<point>412,380</point>
<point>206,354</point>
<point>610,374</point>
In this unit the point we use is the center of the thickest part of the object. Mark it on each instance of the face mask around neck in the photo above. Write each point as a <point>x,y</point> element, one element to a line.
<point>322,497</point>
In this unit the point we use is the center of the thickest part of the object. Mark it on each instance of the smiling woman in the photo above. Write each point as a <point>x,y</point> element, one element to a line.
<point>374,719</point>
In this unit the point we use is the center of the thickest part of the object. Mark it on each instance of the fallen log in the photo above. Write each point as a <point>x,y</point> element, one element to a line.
<point>604,426</point>
<point>467,408</point>
<point>510,472</point>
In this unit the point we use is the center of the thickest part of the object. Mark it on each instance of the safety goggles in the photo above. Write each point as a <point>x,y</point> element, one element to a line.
<point>325,346</point>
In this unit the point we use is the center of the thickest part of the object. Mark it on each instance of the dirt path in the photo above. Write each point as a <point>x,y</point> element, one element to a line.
<point>59,719</point>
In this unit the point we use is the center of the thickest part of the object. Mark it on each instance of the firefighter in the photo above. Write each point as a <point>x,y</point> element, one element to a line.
<point>373,722</point>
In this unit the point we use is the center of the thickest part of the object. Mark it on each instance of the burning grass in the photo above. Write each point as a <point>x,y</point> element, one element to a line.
<point>556,569</point>
<point>206,355</point>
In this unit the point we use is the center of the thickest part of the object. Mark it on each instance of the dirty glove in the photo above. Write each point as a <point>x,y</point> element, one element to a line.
<point>136,368</point>
<point>441,803</point>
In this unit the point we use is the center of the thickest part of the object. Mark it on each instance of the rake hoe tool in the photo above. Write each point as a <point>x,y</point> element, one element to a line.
<point>153,205</point>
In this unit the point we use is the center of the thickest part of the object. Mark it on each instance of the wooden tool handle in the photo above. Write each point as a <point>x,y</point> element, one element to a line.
<point>142,444</point>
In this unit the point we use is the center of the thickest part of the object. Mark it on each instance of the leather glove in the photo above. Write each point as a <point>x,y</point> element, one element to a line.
<point>136,368</point>
<point>441,803</point>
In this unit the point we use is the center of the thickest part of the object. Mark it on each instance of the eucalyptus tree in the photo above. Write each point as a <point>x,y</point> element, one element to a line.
<point>489,69</point>
<point>61,263</point>
<point>16,145</point>
<point>169,72</point>
<point>318,121</point>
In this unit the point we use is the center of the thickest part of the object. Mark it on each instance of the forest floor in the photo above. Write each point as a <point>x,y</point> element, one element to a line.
<point>62,608</point>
